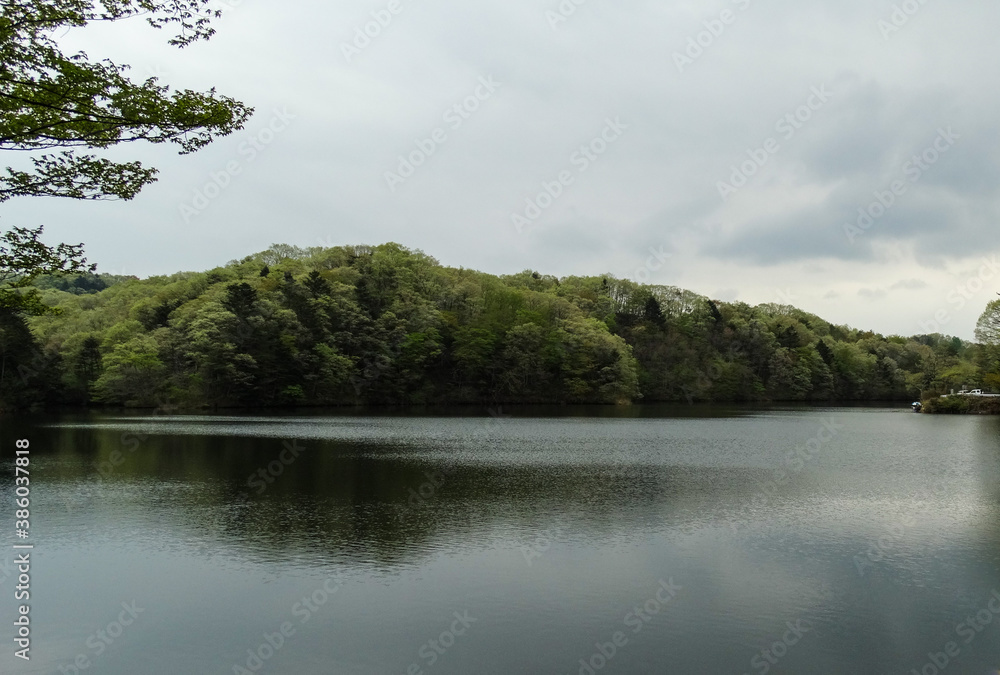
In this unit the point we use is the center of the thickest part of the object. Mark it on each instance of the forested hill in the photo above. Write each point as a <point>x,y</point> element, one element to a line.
<point>387,325</point>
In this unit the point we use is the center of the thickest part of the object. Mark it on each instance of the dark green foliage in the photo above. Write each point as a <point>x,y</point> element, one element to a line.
<point>24,258</point>
<point>954,405</point>
<point>240,299</point>
<point>389,326</point>
<point>653,313</point>
<point>716,314</point>
<point>27,374</point>
<point>51,100</point>
<point>78,284</point>
<point>824,352</point>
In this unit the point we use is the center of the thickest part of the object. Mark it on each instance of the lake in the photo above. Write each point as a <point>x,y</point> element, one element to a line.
<point>559,541</point>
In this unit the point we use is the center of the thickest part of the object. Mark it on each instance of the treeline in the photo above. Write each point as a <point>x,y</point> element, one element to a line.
<point>385,325</point>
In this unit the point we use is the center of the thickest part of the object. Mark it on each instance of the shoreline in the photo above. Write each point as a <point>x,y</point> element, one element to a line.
<point>493,409</point>
<point>961,405</point>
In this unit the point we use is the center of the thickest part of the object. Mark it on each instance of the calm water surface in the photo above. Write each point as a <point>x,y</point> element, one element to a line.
<point>524,544</point>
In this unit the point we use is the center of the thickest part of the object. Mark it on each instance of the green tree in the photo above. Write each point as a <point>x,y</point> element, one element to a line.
<point>597,367</point>
<point>386,325</point>
<point>473,351</point>
<point>23,258</point>
<point>525,377</point>
<point>88,364</point>
<point>131,374</point>
<point>25,370</point>
<point>59,102</point>
<point>53,100</point>
<point>988,333</point>
<point>988,326</point>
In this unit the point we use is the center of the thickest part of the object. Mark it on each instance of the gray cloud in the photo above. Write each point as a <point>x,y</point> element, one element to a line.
<point>909,285</point>
<point>872,293</point>
<point>323,179</point>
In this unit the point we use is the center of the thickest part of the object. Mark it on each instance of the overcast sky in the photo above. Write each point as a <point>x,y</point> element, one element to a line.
<point>634,115</point>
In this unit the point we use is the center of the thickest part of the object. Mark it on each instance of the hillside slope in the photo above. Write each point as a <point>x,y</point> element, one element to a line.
<point>387,325</point>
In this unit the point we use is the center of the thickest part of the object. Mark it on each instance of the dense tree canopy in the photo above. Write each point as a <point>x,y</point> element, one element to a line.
<point>53,101</point>
<point>386,325</point>
<point>988,327</point>
<point>50,100</point>
<point>988,333</point>
<point>23,258</point>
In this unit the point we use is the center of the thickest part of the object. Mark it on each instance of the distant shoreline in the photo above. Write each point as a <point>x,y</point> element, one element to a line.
<point>961,405</point>
<point>637,409</point>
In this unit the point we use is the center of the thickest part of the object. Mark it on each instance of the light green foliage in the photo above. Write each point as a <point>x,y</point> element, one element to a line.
<point>988,332</point>
<point>132,373</point>
<point>988,326</point>
<point>596,365</point>
<point>55,106</point>
<point>53,100</point>
<point>23,258</point>
<point>386,325</point>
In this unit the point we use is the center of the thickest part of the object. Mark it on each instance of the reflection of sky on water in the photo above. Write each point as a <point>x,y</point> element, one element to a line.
<point>626,502</point>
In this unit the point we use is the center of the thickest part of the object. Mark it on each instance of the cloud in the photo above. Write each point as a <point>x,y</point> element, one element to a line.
<point>872,293</point>
<point>323,179</point>
<point>909,285</point>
